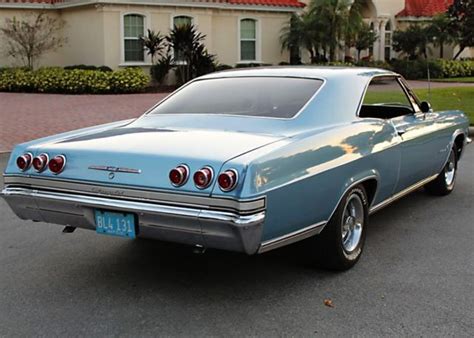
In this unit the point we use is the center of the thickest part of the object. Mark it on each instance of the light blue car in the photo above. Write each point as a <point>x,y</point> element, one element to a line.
<point>247,160</point>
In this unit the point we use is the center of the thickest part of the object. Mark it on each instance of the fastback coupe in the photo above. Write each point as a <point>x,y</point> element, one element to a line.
<point>247,160</point>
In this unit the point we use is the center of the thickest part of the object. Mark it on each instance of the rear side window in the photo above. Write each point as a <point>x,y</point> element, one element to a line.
<point>276,97</point>
<point>385,99</point>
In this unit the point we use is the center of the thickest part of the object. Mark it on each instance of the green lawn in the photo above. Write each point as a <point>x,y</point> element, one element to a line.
<point>456,79</point>
<point>461,98</point>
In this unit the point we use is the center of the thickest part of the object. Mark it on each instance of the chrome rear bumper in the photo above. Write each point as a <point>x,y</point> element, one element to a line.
<point>182,224</point>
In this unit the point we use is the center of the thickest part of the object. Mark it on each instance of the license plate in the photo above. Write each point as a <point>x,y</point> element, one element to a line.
<point>115,223</point>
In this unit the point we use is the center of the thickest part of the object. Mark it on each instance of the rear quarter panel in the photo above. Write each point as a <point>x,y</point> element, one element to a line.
<point>303,180</point>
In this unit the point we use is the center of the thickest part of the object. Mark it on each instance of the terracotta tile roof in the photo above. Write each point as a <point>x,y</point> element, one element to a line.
<point>281,3</point>
<point>274,3</point>
<point>425,8</point>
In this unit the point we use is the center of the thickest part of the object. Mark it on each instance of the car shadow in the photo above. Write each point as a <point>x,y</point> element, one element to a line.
<point>150,264</point>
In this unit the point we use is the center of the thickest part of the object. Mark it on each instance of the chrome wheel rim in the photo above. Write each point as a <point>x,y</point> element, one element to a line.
<point>450,169</point>
<point>352,223</point>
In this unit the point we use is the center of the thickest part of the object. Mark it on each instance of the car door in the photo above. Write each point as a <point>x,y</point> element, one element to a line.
<point>420,148</point>
<point>387,98</point>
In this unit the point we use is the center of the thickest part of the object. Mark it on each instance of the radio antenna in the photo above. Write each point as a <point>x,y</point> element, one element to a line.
<point>429,79</point>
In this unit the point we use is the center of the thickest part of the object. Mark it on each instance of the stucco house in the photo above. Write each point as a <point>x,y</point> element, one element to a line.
<point>105,32</point>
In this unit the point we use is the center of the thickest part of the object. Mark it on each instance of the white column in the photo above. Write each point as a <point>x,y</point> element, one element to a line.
<point>383,22</point>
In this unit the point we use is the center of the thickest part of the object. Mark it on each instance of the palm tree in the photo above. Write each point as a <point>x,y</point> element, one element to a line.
<point>153,44</point>
<point>439,32</point>
<point>190,55</point>
<point>301,31</point>
<point>334,16</point>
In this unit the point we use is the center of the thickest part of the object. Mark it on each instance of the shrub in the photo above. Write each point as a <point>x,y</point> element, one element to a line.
<point>452,68</point>
<point>250,65</point>
<point>73,81</point>
<point>375,64</point>
<point>89,67</point>
<point>160,70</point>
<point>418,69</point>
<point>222,66</point>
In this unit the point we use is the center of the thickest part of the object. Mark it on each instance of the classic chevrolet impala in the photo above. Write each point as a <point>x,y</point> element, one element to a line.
<point>247,160</point>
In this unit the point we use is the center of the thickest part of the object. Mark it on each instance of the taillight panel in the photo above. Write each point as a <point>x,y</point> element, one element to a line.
<point>179,175</point>
<point>57,164</point>
<point>203,177</point>
<point>23,162</point>
<point>40,162</point>
<point>228,180</point>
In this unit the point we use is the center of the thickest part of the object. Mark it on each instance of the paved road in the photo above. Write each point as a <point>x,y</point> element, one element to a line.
<point>416,277</point>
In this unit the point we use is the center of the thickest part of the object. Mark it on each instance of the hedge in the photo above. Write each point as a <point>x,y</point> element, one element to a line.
<point>418,69</point>
<point>76,81</point>
<point>89,67</point>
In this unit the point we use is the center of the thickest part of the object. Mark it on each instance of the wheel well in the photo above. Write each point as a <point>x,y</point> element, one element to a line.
<point>370,187</point>
<point>459,142</point>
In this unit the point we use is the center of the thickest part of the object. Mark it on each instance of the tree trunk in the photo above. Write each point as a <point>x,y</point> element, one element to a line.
<point>441,50</point>
<point>332,53</point>
<point>461,49</point>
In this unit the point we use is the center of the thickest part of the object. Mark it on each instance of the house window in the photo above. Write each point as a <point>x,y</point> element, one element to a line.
<point>388,41</point>
<point>248,40</point>
<point>180,21</point>
<point>133,29</point>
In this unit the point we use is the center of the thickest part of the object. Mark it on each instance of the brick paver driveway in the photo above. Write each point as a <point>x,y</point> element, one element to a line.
<point>25,117</point>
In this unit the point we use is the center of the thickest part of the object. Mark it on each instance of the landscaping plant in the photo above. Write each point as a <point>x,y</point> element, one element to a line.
<point>31,37</point>
<point>74,81</point>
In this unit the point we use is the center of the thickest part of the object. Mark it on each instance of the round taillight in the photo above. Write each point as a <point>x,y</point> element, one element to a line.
<point>228,180</point>
<point>57,164</point>
<point>179,175</point>
<point>40,162</point>
<point>203,178</point>
<point>24,161</point>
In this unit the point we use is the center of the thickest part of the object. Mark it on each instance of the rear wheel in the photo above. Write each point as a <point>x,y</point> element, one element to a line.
<point>445,181</point>
<point>340,244</point>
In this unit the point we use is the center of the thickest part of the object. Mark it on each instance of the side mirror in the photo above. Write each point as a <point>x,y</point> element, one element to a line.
<point>425,107</point>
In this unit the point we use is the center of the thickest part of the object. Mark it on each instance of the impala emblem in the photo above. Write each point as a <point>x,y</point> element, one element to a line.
<point>113,170</point>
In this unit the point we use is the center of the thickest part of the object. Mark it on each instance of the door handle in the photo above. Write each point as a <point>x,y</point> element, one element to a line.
<point>401,132</point>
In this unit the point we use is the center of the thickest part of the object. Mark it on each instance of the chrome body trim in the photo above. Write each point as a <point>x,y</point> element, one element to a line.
<point>181,224</point>
<point>115,169</point>
<point>401,194</point>
<point>244,206</point>
<point>293,237</point>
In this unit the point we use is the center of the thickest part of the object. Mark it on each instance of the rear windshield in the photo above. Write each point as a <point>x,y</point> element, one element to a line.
<point>277,97</point>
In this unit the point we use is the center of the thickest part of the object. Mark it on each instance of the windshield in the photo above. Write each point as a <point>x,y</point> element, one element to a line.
<point>277,97</point>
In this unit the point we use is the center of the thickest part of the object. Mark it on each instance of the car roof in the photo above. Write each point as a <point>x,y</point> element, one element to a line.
<point>315,72</point>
